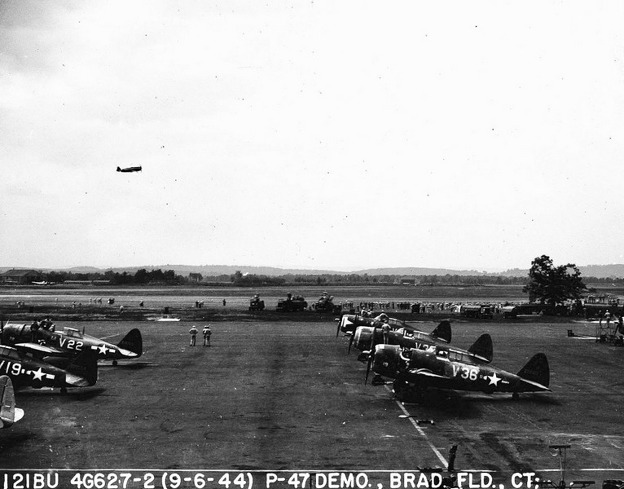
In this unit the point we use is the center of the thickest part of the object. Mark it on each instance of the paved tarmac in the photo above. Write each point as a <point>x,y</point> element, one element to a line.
<point>272,396</point>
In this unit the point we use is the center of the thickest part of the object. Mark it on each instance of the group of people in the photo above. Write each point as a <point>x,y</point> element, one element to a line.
<point>46,324</point>
<point>206,332</point>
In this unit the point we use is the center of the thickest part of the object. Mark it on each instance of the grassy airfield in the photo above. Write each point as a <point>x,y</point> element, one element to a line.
<point>279,392</point>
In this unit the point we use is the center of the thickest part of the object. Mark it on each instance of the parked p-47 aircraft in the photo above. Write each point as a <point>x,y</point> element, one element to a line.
<point>27,371</point>
<point>440,367</point>
<point>69,342</point>
<point>9,414</point>
<point>366,338</point>
<point>349,323</point>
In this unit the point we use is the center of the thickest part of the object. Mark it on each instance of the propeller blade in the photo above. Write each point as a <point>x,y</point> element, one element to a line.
<point>372,343</point>
<point>368,366</point>
<point>350,343</point>
<point>338,328</point>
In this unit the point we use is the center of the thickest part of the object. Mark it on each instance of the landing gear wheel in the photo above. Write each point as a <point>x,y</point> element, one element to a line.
<point>515,396</point>
<point>378,380</point>
<point>63,390</point>
<point>114,363</point>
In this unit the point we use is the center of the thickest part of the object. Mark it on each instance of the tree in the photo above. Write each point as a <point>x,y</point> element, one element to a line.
<point>553,285</point>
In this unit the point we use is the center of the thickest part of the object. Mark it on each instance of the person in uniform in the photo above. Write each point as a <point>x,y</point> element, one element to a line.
<point>193,332</point>
<point>385,329</point>
<point>206,331</point>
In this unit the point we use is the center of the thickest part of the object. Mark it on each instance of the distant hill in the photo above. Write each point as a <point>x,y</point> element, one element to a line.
<point>417,271</point>
<point>598,271</point>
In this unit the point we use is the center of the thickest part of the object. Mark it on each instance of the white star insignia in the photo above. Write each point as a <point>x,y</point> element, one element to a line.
<point>37,374</point>
<point>494,379</point>
<point>102,349</point>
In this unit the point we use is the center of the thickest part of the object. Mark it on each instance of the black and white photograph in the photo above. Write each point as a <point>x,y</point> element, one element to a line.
<point>311,244</point>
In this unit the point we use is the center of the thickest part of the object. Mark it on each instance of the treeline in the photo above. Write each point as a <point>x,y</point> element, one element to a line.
<point>169,277</point>
<point>141,277</point>
<point>365,279</point>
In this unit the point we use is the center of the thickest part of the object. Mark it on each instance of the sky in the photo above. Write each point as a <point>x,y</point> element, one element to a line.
<point>311,134</point>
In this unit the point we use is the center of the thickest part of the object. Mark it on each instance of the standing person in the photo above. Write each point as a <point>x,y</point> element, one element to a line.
<point>193,332</point>
<point>224,302</point>
<point>206,331</point>
<point>385,329</point>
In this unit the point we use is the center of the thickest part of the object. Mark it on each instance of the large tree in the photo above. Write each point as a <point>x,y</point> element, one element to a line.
<point>553,285</point>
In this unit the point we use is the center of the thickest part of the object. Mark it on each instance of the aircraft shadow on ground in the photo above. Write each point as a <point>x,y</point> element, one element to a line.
<point>73,394</point>
<point>468,405</point>
<point>13,439</point>
<point>130,366</point>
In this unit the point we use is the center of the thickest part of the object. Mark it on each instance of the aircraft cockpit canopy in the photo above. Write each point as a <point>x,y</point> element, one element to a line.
<point>73,333</point>
<point>7,351</point>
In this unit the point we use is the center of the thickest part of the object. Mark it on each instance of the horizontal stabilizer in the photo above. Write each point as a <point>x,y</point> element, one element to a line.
<point>483,348</point>
<point>443,331</point>
<point>38,348</point>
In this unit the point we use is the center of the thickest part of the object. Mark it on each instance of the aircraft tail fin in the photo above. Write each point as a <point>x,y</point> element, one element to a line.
<point>536,370</point>
<point>118,169</point>
<point>443,331</point>
<point>483,347</point>
<point>133,342</point>
<point>9,414</point>
<point>85,365</point>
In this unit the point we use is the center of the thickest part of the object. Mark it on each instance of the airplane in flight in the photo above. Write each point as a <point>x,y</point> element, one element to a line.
<point>443,367</point>
<point>27,371</point>
<point>9,413</point>
<point>43,282</point>
<point>130,169</point>
<point>70,342</point>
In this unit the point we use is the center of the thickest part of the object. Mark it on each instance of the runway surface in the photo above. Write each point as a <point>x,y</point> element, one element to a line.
<point>271,396</point>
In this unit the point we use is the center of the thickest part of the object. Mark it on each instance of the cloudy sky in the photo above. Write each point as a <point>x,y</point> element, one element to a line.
<point>316,134</point>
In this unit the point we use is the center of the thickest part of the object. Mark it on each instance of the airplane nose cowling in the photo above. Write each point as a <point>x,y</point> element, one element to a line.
<point>385,360</point>
<point>346,324</point>
<point>363,336</point>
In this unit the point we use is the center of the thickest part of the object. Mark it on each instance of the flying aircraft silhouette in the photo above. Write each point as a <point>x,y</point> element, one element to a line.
<point>9,414</point>
<point>130,169</point>
<point>70,342</point>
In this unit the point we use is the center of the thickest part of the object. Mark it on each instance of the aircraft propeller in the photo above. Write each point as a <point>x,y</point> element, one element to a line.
<point>338,328</point>
<point>350,343</point>
<point>368,365</point>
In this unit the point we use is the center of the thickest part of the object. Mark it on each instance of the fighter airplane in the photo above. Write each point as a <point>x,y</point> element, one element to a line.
<point>365,339</point>
<point>9,414</point>
<point>130,169</point>
<point>349,323</point>
<point>443,367</point>
<point>70,342</point>
<point>27,371</point>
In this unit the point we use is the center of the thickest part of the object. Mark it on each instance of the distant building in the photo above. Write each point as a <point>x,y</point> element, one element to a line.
<point>20,277</point>
<point>195,277</point>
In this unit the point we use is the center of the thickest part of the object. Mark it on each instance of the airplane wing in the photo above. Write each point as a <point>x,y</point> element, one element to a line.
<point>36,347</point>
<point>426,373</point>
